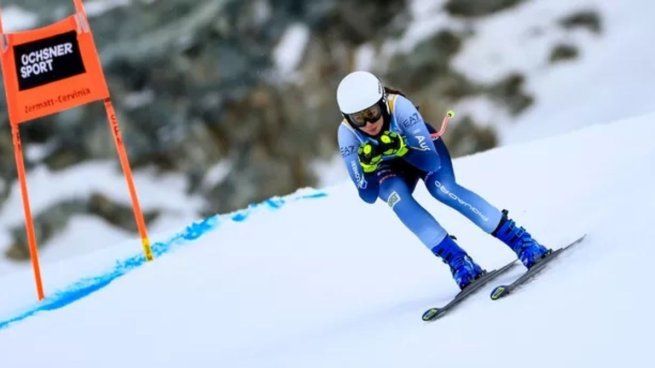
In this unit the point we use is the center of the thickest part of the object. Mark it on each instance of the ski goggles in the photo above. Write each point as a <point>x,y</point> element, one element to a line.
<point>360,118</point>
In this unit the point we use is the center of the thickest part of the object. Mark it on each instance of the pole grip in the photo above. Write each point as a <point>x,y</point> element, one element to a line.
<point>444,125</point>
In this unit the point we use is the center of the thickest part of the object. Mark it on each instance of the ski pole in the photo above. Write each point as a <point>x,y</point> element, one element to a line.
<point>444,124</point>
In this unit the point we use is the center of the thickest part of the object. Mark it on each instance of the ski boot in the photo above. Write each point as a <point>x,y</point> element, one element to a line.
<point>520,241</point>
<point>462,267</point>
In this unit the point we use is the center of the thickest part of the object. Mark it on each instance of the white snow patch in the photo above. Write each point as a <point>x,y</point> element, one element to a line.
<point>139,99</point>
<point>288,54</point>
<point>483,111</point>
<point>216,174</point>
<point>365,57</point>
<point>99,7</point>
<point>15,19</point>
<point>330,172</point>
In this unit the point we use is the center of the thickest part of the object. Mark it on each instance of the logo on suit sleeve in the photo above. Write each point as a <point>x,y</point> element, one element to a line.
<point>393,200</point>
<point>422,143</point>
<point>348,150</point>
<point>410,121</point>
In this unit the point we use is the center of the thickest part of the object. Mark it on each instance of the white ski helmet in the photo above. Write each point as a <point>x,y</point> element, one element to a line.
<point>358,91</point>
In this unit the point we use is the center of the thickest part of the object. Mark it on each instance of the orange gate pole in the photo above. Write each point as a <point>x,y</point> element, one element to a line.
<point>29,225</point>
<point>112,120</point>
<point>79,7</point>
<point>99,93</point>
<point>127,171</point>
<point>20,167</point>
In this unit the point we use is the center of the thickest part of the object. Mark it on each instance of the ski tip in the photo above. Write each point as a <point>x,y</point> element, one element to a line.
<point>581,238</point>
<point>499,292</point>
<point>431,314</point>
<point>576,241</point>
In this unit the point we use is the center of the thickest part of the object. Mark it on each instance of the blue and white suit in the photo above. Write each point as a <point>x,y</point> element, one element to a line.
<point>396,178</point>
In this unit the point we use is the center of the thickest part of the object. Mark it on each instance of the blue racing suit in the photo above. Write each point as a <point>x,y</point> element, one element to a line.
<point>396,178</point>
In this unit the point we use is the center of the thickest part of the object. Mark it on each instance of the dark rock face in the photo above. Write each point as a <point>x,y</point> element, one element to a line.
<point>563,52</point>
<point>195,82</point>
<point>466,137</point>
<point>478,8</point>
<point>589,19</point>
<point>428,63</point>
<point>509,92</point>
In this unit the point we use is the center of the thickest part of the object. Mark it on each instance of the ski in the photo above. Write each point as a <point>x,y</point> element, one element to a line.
<point>504,290</point>
<point>437,312</point>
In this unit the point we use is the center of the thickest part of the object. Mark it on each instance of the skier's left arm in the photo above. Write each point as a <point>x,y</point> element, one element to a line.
<point>422,154</point>
<point>366,183</point>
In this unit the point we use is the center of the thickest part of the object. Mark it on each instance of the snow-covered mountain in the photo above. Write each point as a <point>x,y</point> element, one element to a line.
<point>321,279</point>
<point>610,77</point>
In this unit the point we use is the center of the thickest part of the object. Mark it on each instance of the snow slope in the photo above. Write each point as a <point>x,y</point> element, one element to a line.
<point>320,279</point>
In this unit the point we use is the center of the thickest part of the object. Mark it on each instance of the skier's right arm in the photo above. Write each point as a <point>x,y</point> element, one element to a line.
<point>367,184</point>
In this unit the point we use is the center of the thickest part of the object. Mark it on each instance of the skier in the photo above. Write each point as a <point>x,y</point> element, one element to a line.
<point>387,147</point>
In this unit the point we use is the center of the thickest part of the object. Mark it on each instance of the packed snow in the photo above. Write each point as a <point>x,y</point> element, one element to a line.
<point>322,279</point>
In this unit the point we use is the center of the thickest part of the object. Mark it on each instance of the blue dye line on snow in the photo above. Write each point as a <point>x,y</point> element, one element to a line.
<point>89,285</point>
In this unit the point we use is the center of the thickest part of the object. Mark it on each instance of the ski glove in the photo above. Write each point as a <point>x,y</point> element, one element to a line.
<point>370,156</point>
<point>393,144</point>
